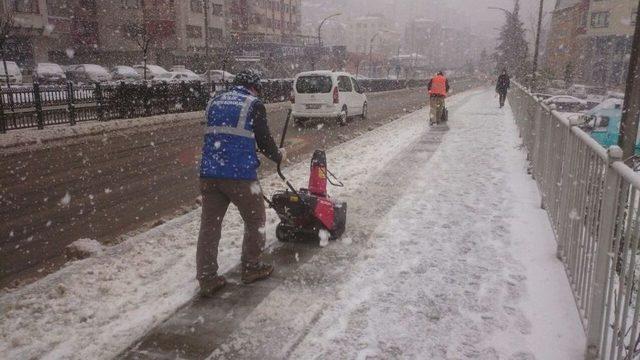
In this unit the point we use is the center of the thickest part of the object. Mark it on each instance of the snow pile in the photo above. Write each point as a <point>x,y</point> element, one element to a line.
<point>83,248</point>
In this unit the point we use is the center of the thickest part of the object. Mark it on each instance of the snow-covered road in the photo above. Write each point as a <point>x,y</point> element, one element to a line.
<point>447,256</point>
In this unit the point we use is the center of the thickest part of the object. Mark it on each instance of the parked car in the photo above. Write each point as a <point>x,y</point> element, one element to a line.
<point>577,90</point>
<point>125,73</point>
<point>566,103</point>
<point>603,122</point>
<point>152,71</point>
<point>88,73</point>
<point>219,76</point>
<point>174,78</point>
<point>180,69</point>
<point>49,73</point>
<point>327,94</point>
<point>13,72</point>
<point>595,95</point>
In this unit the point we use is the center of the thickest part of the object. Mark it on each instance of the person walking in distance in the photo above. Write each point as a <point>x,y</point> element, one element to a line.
<point>236,127</point>
<point>438,89</point>
<point>502,86</point>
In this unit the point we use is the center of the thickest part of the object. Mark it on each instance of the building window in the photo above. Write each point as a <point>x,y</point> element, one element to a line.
<point>600,19</point>
<point>196,6</point>
<point>25,6</point>
<point>215,33</point>
<point>130,4</point>
<point>58,8</point>
<point>194,32</point>
<point>217,10</point>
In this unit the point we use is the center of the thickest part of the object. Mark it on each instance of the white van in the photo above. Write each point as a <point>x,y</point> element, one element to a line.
<point>327,94</point>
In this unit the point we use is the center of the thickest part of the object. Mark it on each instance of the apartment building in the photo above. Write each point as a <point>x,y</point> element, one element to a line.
<point>47,29</point>
<point>260,18</point>
<point>565,42</point>
<point>609,33</point>
<point>72,31</point>
<point>373,26</point>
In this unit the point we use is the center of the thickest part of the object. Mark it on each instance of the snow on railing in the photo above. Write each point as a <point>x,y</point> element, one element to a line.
<point>593,202</point>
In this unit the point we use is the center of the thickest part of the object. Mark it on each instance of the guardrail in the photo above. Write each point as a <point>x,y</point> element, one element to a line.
<point>37,106</point>
<point>593,201</point>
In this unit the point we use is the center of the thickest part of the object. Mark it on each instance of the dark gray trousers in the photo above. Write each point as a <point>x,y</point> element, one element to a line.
<point>217,194</point>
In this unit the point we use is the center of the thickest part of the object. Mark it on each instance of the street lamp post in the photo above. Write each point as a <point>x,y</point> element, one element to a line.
<point>537,50</point>
<point>373,38</point>
<point>321,24</point>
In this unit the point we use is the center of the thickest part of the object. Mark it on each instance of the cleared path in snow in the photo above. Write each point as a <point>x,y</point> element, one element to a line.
<point>447,256</point>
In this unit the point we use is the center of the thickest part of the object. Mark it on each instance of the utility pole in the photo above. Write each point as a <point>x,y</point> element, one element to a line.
<point>207,50</point>
<point>631,108</point>
<point>537,49</point>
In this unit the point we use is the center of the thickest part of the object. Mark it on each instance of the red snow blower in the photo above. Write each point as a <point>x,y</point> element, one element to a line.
<point>305,213</point>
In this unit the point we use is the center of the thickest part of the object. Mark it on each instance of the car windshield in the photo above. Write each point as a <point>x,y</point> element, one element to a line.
<point>314,84</point>
<point>166,75</point>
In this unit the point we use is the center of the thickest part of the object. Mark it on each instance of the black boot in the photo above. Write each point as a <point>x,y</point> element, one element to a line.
<point>254,272</point>
<point>210,287</point>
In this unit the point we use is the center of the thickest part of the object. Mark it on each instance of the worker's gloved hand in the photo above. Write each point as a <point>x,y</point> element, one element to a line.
<point>283,155</point>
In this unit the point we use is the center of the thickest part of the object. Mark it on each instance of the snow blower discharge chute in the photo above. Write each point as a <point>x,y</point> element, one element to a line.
<point>307,213</point>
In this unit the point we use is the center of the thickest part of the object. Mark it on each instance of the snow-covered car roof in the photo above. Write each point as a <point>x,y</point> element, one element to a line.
<point>49,67</point>
<point>564,99</point>
<point>125,69</point>
<point>153,68</point>
<point>323,73</point>
<point>95,69</point>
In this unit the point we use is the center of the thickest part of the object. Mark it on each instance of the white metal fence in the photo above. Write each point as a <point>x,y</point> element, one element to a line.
<point>593,202</point>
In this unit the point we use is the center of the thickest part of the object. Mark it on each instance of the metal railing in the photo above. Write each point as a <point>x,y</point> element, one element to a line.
<point>37,106</point>
<point>593,201</point>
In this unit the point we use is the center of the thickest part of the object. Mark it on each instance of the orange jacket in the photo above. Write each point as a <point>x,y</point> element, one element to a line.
<point>438,86</point>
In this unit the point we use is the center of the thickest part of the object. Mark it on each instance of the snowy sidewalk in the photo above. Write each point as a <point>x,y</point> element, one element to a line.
<point>447,256</point>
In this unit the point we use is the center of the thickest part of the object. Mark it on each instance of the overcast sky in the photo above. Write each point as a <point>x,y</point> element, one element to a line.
<point>472,15</point>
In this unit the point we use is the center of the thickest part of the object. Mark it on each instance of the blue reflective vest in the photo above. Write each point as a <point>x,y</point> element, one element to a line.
<point>229,150</point>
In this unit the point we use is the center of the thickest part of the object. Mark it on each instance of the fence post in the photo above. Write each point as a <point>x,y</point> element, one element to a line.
<point>608,213</point>
<point>99,98</point>
<point>146,98</point>
<point>70,107</point>
<point>3,119</point>
<point>38,105</point>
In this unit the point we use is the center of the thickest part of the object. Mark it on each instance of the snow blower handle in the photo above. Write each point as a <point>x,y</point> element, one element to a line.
<point>279,169</point>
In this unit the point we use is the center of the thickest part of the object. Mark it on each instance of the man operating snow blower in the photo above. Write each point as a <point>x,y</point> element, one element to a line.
<point>236,126</point>
<point>438,89</point>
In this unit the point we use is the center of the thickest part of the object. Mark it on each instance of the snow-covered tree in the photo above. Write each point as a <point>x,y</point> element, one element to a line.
<point>512,52</point>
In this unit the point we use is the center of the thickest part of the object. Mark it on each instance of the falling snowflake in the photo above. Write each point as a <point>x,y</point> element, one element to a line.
<point>324,237</point>
<point>255,188</point>
<point>573,215</point>
<point>66,199</point>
